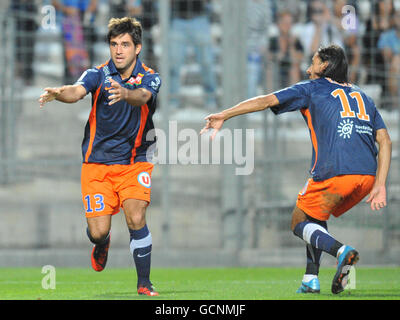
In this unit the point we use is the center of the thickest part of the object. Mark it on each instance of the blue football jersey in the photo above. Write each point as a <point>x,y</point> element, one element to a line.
<point>342,121</point>
<point>117,134</point>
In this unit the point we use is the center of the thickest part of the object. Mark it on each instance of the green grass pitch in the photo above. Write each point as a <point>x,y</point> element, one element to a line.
<point>193,284</point>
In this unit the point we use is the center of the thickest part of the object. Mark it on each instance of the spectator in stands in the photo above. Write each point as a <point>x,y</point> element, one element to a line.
<point>191,27</point>
<point>86,11</point>
<point>319,30</point>
<point>146,12</point>
<point>258,18</point>
<point>389,45</point>
<point>372,58</point>
<point>120,8</point>
<point>286,53</point>
<point>350,36</point>
<point>24,12</point>
<point>117,8</point>
<point>135,8</point>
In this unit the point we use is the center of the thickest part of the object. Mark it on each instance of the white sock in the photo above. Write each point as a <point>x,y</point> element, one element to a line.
<point>341,249</point>
<point>309,277</point>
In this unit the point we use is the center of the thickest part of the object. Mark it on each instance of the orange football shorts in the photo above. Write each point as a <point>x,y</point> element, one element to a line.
<point>334,196</point>
<point>106,187</point>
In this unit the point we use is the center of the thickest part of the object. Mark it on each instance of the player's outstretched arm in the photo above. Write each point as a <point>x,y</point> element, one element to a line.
<point>137,97</point>
<point>377,196</point>
<point>67,94</point>
<point>215,121</point>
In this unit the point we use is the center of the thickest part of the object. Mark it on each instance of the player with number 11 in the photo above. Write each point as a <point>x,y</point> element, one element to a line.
<point>346,166</point>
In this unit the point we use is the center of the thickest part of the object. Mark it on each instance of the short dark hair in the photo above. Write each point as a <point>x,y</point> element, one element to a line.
<point>337,68</point>
<point>118,26</point>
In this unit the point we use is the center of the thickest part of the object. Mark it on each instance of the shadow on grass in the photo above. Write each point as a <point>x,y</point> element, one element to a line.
<point>180,294</point>
<point>386,294</point>
<point>376,294</point>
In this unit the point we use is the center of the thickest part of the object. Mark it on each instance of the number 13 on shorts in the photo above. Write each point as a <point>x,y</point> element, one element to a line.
<point>95,204</point>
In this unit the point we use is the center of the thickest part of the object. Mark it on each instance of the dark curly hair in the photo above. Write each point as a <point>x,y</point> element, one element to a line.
<point>118,26</point>
<point>337,68</point>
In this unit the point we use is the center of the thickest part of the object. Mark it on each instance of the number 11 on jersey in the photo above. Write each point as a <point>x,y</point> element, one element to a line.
<point>346,109</point>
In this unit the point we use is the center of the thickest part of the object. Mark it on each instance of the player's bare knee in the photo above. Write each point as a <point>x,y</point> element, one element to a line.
<point>98,234</point>
<point>136,219</point>
<point>292,226</point>
<point>297,216</point>
<point>135,213</point>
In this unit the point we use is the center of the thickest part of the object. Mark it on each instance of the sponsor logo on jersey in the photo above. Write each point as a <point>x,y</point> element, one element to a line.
<point>106,71</point>
<point>345,129</point>
<point>155,84</point>
<point>108,79</point>
<point>135,81</point>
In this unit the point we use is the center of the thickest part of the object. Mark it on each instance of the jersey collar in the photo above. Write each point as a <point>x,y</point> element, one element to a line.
<point>135,72</point>
<point>341,84</point>
<point>137,67</point>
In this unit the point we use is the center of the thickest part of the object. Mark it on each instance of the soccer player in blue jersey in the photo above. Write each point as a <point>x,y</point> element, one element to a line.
<point>346,166</point>
<point>116,171</point>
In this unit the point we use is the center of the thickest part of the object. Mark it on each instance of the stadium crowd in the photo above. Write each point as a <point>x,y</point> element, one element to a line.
<point>281,38</point>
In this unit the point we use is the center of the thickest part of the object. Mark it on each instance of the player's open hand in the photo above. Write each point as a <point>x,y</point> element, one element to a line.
<point>377,197</point>
<point>117,92</point>
<point>213,121</point>
<point>49,95</point>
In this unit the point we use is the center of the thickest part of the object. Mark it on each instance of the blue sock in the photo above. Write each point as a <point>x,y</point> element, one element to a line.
<point>313,260</point>
<point>314,254</point>
<point>140,245</point>
<point>317,236</point>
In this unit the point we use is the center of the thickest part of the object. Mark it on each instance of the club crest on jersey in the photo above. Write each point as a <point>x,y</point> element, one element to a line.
<point>144,179</point>
<point>345,129</point>
<point>135,81</point>
<point>155,84</point>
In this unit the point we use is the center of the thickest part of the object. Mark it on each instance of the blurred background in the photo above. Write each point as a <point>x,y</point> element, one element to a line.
<point>210,55</point>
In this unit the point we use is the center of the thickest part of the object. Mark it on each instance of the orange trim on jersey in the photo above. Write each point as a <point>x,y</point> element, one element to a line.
<point>314,140</point>
<point>92,124</point>
<point>147,69</point>
<point>103,65</point>
<point>144,112</point>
